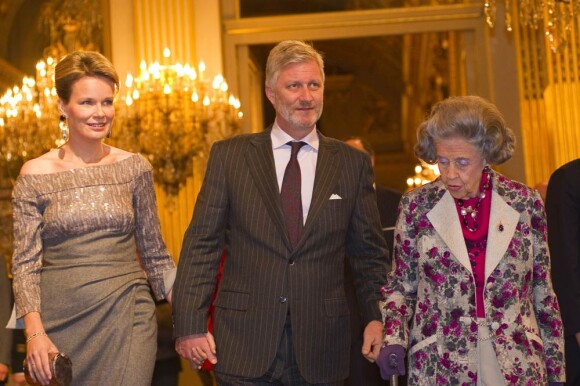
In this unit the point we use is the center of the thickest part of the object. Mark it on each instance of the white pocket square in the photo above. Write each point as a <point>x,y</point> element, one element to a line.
<point>335,197</point>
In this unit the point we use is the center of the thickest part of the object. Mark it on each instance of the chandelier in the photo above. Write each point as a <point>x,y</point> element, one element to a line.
<point>424,173</point>
<point>171,113</point>
<point>558,20</point>
<point>29,119</point>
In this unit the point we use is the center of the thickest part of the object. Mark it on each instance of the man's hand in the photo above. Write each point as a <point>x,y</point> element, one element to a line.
<point>169,296</point>
<point>196,349</point>
<point>372,340</point>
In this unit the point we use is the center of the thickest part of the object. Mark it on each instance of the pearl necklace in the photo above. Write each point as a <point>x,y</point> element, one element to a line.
<point>473,211</point>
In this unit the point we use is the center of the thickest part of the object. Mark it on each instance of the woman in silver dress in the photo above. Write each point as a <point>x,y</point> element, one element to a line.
<point>88,245</point>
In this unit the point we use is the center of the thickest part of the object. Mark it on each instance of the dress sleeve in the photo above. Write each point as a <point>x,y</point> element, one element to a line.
<point>27,257</point>
<point>155,258</point>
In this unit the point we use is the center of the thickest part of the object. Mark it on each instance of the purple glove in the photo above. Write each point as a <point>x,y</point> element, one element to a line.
<point>391,361</point>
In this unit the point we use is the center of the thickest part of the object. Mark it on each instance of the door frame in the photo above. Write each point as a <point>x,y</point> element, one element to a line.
<point>468,19</point>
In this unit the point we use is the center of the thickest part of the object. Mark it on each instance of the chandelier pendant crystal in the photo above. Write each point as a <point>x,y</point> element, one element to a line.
<point>556,16</point>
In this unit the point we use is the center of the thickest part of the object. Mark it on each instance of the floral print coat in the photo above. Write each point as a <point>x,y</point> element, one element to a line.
<point>429,298</point>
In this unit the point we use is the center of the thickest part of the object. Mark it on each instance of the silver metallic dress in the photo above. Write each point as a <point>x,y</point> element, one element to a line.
<point>88,251</point>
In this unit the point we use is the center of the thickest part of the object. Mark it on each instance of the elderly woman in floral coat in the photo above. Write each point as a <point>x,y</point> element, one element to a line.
<point>470,298</point>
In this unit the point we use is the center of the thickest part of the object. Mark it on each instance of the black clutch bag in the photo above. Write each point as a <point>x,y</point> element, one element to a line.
<point>60,368</point>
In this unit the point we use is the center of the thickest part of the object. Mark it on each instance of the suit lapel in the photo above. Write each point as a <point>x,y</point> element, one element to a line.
<point>444,218</point>
<point>502,226</point>
<point>260,161</point>
<point>327,173</point>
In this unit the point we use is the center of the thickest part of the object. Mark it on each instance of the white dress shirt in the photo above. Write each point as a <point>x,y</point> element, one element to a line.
<point>307,157</point>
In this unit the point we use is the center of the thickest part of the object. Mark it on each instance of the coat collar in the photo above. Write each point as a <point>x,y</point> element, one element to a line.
<point>502,225</point>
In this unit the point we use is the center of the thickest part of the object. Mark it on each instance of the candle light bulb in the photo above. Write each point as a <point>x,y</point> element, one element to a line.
<point>129,80</point>
<point>215,84</point>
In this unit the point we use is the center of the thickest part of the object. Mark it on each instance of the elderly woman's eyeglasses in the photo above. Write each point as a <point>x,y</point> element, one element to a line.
<point>460,163</point>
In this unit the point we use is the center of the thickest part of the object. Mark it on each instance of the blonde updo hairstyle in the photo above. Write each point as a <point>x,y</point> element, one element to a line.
<point>472,118</point>
<point>81,64</point>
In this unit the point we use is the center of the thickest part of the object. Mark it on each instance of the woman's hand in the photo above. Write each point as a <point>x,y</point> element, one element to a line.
<point>38,345</point>
<point>391,361</point>
<point>37,362</point>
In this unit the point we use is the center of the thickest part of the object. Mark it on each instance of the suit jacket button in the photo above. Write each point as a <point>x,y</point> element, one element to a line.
<point>291,261</point>
<point>283,299</point>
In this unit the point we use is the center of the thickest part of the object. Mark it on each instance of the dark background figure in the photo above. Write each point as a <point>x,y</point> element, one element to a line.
<point>5,334</point>
<point>167,361</point>
<point>362,372</point>
<point>12,342</point>
<point>18,356</point>
<point>563,210</point>
<point>387,199</point>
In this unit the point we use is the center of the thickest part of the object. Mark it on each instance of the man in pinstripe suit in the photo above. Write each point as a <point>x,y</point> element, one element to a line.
<point>281,314</point>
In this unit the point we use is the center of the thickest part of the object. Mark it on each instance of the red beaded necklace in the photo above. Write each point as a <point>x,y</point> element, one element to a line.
<point>473,211</point>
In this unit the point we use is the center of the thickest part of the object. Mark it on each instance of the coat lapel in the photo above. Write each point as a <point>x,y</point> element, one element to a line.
<point>327,173</point>
<point>502,226</point>
<point>260,161</point>
<point>444,218</point>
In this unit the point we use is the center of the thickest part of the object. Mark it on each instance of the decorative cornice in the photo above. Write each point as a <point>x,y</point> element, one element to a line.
<point>427,14</point>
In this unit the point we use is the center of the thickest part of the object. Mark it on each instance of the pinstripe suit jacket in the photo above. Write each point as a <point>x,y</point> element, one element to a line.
<point>264,279</point>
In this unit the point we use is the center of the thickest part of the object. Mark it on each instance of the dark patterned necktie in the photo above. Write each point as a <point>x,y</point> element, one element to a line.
<point>291,197</point>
